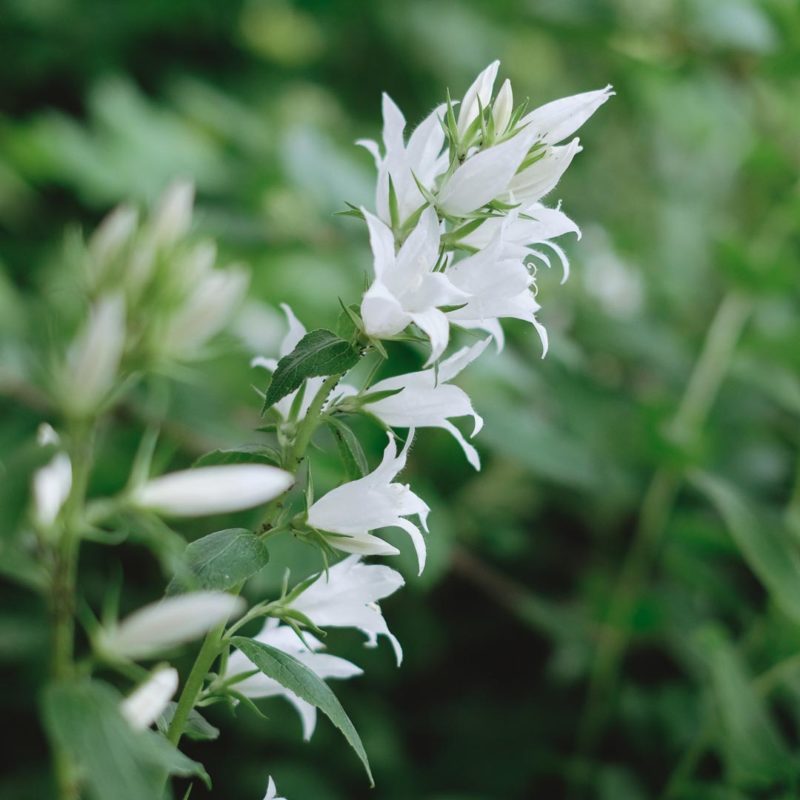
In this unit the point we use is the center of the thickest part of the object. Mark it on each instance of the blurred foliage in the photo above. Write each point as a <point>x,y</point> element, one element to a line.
<point>587,624</point>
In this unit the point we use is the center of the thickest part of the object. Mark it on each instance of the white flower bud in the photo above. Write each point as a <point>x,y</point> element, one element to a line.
<point>481,90</point>
<point>205,311</point>
<point>173,217</point>
<point>161,626</point>
<point>52,483</point>
<point>503,107</point>
<point>147,702</point>
<point>212,490</point>
<point>113,233</point>
<point>93,358</point>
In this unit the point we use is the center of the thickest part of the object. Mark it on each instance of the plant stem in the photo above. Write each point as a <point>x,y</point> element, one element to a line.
<point>63,586</point>
<point>701,390</point>
<point>311,421</point>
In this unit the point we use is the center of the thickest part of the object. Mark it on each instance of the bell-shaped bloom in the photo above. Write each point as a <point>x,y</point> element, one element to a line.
<point>94,356</point>
<point>403,165</point>
<point>477,97</point>
<point>294,334</point>
<point>554,121</point>
<point>52,483</point>
<point>541,177</point>
<point>212,490</point>
<point>347,597</point>
<point>406,287</point>
<point>272,792</point>
<point>484,176</point>
<point>146,703</point>
<point>161,626</point>
<point>531,226</point>
<point>427,400</point>
<point>374,501</point>
<point>284,638</point>
<point>500,286</point>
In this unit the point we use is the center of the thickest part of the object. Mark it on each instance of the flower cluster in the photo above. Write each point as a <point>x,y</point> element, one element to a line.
<point>457,230</point>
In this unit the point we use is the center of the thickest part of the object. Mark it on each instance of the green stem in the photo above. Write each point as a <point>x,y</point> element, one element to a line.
<point>701,390</point>
<point>63,586</point>
<point>311,421</point>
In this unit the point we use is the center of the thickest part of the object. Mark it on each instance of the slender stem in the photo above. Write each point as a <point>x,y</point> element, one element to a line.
<point>311,421</point>
<point>701,390</point>
<point>194,683</point>
<point>63,586</point>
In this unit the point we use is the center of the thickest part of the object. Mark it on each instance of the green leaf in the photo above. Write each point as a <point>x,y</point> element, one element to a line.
<point>298,678</point>
<point>197,726</point>
<point>221,560</point>
<point>242,454</point>
<point>319,353</point>
<point>350,450</point>
<point>84,721</point>
<point>753,750</point>
<point>374,397</point>
<point>763,541</point>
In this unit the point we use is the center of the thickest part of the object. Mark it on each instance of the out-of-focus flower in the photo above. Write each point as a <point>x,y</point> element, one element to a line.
<point>406,287</point>
<point>347,597</point>
<point>369,503</point>
<point>293,335</point>
<point>146,703</point>
<point>52,483</point>
<point>173,215</point>
<point>93,358</point>
<point>212,490</point>
<point>427,400</point>
<point>160,626</point>
<point>272,792</point>
<point>284,638</point>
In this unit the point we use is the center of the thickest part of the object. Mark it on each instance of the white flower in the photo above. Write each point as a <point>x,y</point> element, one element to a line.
<point>484,176</point>
<point>111,236</point>
<point>52,483</point>
<point>554,121</point>
<point>406,288</point>
<point>173,216</point>
<point>293,335</point>
<point>503,107</point>
<point>163,625</point>
<point>372,502</point>
<point>420,160</point>
<point>500,285</point>
<point>541,177</point>
<point>478,97</point>
<point>147,702</point>
<point>347,597</point>
<point>93,357</point>
<point>284,638</point>
<point>272,792</point>
<point>212,490</point>
<point>428,400</point>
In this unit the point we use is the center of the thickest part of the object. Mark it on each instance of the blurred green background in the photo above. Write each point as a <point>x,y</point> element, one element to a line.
<point>589,625</point>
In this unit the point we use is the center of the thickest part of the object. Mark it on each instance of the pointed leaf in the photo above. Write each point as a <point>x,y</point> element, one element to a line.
<point>307,685</point>
<point>350,450</point>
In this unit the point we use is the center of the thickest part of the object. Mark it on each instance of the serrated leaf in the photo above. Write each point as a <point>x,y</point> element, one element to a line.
<point>307,685</point>
<point>318,354</point>
<point>242,454</point>
<point>197,726</point>
<point>221,560</point>
<point>83,719</point>
<point>763,541</point>
<point>350,450</point>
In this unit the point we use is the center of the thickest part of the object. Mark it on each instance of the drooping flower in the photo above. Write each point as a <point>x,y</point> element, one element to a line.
<point>284,638</point>
<point>406,287</point>
<point>347,597</point>
<point>403,165</point>
<point>52,483</point>
<point>147,702</point>
<point>272,792</point>
<point>427,400</point>
<point>160,626</point>
<point>294,334</point>
<point>212,490</point>
<point>374,501</point>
